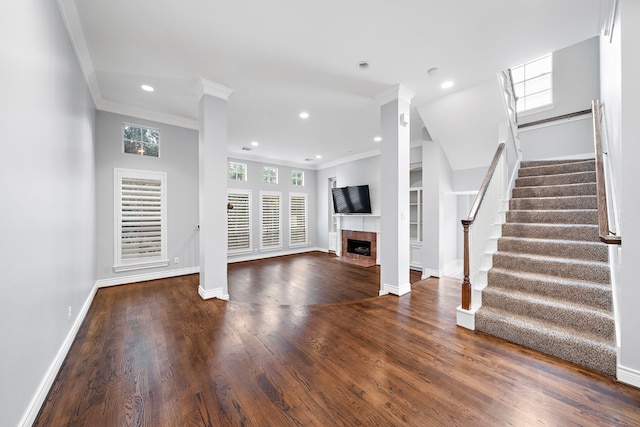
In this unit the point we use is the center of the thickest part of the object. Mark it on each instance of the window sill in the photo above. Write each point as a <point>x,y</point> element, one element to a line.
<point>140,266</point>
<point>527,113</point>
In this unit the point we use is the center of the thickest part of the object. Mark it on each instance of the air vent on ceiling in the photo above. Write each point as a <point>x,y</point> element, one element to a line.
<point>246,148</point>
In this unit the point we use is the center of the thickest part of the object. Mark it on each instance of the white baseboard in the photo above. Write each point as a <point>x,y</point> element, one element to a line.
<point>398,290</point>
<point>263,255</point>
<point>628,376</point>
<point>212,293</point>
<point>427,272</point>
<point>123,280</point>
<point>41,393</point>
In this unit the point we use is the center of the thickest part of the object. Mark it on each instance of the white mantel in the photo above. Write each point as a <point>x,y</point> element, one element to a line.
<point>358,222</point>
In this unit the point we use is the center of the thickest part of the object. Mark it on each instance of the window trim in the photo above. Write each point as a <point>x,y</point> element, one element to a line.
<point>248,250</point>
<point>141,127</point>
<point>543,107</point>
<point>264,178</point>
<point>279,245</point>
<point>161,260</point>
<point>246,171</point>
<point>305,196</point>
<point>293,171</point>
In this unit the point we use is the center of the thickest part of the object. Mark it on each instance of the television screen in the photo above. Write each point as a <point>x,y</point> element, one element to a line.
<point>351,200</point>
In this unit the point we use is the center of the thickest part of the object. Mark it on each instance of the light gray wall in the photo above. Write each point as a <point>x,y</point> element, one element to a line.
<point>469,179</point>
<point>324,206</point>
<point>47,219</point>
<point>576,81</point>
<point>256,184</point>
<point>179,159</point>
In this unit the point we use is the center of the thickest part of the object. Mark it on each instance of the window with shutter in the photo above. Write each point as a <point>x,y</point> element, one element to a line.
<point>533,83</point>
<point>297,219</point>
<point>239,222</point>
<point>270,224</point>
<point>140,220</point>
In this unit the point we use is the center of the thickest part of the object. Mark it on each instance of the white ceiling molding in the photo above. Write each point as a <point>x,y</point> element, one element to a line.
<point>269,161</point>
<point>74,29</point>
<point>207,87</point>
<point>398,91</point>
<point>353,158</point>
<point>143,113</point>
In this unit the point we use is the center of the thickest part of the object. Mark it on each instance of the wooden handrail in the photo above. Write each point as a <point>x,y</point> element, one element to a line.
<point>466,283</point>
<point>555,119</point>
<point>606,235</point>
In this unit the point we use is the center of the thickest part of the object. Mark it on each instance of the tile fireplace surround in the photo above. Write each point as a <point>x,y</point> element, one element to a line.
<point>361,260</point>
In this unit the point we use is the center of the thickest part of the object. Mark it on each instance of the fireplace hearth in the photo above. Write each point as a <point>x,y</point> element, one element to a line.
<point>359,247</point>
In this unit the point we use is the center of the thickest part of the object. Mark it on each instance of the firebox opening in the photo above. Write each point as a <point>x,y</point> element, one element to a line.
<point>359,247</point>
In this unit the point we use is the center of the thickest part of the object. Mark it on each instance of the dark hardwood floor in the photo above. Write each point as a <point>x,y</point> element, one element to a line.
<point>156,354</point>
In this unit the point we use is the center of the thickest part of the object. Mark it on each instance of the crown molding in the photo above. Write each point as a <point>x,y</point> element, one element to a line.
<point>207,87</point>
<point>270,161</point>
<point>398,91</point>
<point>349,159</point>
<point>71,20</point>
<point>143,113</point>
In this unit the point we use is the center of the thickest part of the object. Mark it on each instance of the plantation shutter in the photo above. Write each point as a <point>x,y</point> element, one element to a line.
<point>298,219</point>
<point>140,220</point>
<point>141,215</point>
<point>270,220</point>
<point>239,222</point>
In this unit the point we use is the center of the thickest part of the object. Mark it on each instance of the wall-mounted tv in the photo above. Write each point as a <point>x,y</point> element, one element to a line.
<point>351,200</point>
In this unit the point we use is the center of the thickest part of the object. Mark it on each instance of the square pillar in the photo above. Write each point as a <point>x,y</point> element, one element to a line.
<point>395,105</point>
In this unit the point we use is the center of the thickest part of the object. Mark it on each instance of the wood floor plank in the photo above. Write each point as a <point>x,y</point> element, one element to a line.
<point>307,341</point>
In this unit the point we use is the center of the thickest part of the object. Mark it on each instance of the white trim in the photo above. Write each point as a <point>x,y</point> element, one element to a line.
<point>537,110</point>
<point>259,159</point>
<point>124,280</point>
<point>272,254</point>
<point>428,272</point>
<point>207,87</point>
<point>212,293</point>
<point>146,114</point>
<point>397,290</point>
<point>305,196</point>
<point>349,159</point>
<point>398,91</point>
<point>628,375</point>
<point>71,20</point>
<point>262,216</point>
<point>466,318</point>
<point>43,389</point>
<point>249,193</point>
<point>140,266</point>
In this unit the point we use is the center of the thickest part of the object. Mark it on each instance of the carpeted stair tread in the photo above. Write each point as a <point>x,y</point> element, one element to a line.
<point>581,189</point>
<point>554,169</point>
<point>583,318</point>
<point>588,251</point>
<point>598,295</point>
<point>554,216</point>
<point>558,179</point>
<point>560,267</point>
<point>582,232</point>
<point>546,203</point>
<point>535,163</point>
<point>585,350</point>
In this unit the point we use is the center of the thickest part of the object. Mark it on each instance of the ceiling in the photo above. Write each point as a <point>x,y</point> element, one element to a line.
<point>286,56</point>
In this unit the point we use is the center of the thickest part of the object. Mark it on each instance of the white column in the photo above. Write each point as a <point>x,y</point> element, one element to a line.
<point>395,105</point>
<point>213,189</point>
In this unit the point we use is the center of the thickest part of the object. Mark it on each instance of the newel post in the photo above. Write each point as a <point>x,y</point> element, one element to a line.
<point>466,283</point>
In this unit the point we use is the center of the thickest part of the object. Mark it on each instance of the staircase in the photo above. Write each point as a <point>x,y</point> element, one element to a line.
<point>549,288</point>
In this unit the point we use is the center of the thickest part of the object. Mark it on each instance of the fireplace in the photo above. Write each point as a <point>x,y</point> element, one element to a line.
<point>359,247</point>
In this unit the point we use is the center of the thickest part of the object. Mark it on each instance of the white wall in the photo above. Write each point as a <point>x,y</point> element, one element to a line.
<point>620,62</point>
<point>256,184</point>
<point>179,159</point>
<point>324,206</point>
<point>576,81</point>
<point>47,219</point>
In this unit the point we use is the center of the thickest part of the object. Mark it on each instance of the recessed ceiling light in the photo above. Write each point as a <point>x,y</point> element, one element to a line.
<point>318,156</point>
<point>447,84</point>
<point>362,65</point>
<point>255,143</point>
<point>377,139</point>
<point>304,115</point>
<point>147,88</point>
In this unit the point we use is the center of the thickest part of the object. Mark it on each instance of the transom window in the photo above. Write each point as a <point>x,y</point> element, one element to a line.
<point>532,81</point>
<point>141,140</point>
<point>270,175</point>
<point>237,171</point>
<point>297,178</point>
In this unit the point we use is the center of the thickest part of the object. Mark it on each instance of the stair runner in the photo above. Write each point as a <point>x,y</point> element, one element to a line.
<point>549,288</point>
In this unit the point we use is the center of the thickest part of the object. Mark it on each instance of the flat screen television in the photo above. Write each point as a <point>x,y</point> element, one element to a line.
<point>351,200</point>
